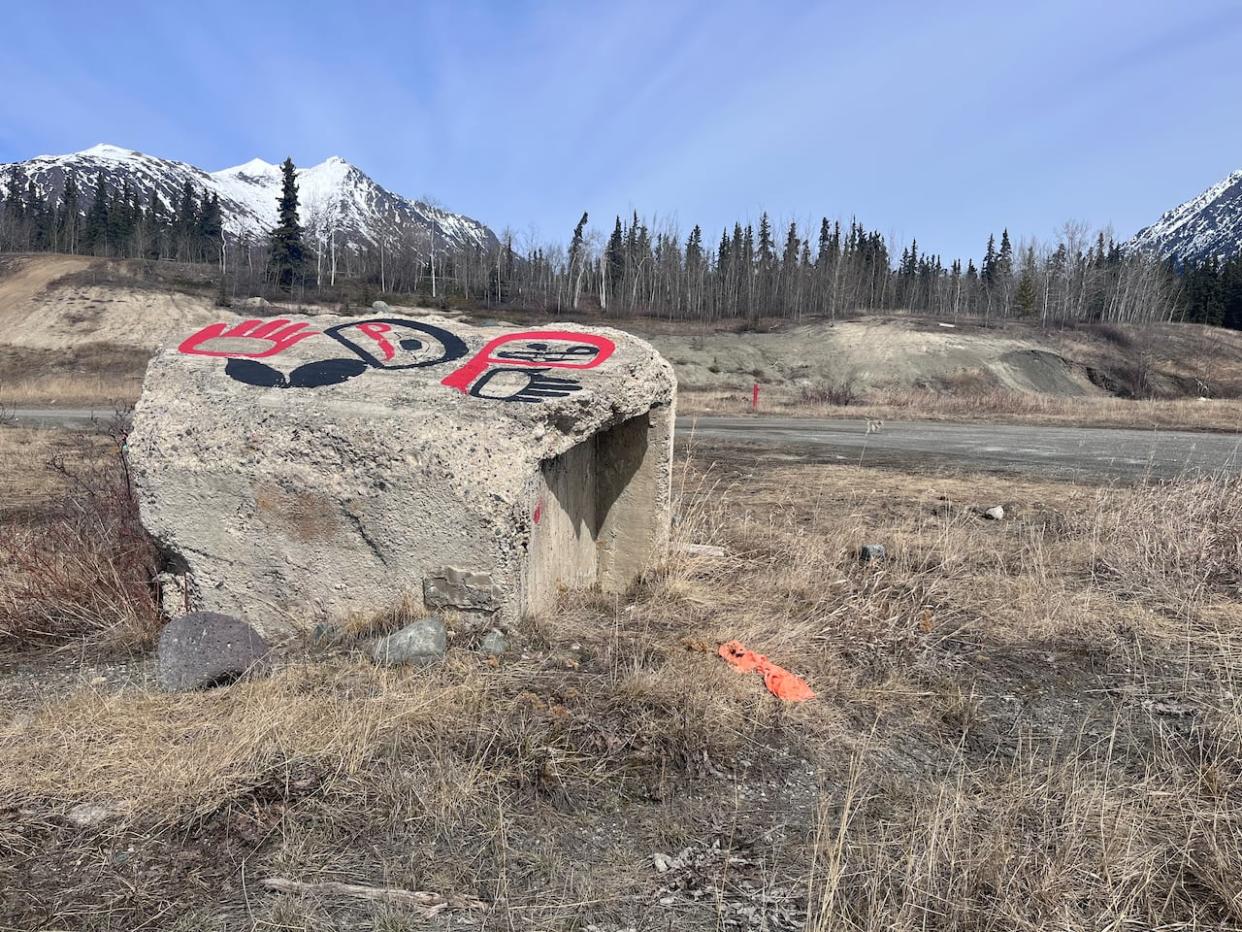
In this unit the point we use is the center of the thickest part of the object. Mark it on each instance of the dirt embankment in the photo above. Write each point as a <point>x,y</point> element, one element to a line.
<point>1170,361</point>
<point>77,328</point>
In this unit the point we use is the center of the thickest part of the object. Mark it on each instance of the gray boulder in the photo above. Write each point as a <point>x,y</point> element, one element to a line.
<point>298,470</point>
<point>204,649</point>
<point>494,644</point>
<point>995,513</point>
<point>422,642</point>
<point>869,552</point>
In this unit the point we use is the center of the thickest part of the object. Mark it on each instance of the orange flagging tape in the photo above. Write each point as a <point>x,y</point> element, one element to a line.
<point>780,682</point>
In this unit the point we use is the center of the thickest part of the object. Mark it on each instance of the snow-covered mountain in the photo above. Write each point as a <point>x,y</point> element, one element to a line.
<point>337,200</point>
<point>1205,226</point>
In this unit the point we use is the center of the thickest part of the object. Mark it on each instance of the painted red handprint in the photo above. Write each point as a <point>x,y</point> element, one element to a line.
<point>267,338</point>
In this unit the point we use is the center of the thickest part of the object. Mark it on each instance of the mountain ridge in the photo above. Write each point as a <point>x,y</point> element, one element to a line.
<point>339,205</point>
<point>1208,225</point>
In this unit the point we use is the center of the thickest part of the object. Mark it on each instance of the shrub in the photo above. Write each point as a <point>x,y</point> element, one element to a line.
<point>84,567</point>
<point>841,393</point>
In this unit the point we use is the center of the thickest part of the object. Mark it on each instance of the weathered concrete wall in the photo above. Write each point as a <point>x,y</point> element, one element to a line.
<point>312,469</point>
<point>601,510</point>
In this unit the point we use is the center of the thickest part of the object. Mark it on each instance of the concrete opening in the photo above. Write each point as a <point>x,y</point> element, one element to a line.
<point>599,514</point>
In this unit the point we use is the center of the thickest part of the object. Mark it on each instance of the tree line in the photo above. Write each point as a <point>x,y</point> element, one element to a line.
<point>1212,292</point>
<point>116,221</point>
<point>641,268</point>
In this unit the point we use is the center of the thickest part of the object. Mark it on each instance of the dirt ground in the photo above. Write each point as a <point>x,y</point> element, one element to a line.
<point>1031,723</point>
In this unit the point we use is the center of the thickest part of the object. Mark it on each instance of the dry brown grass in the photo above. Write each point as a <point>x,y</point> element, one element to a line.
<point>74,560</point>
<point>993,405</point>
<point>1025,724</point>
<point>92,373</point>
<point>27,484</point>
<point>68,390</point>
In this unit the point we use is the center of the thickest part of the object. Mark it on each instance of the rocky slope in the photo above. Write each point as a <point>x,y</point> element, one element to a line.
<point>1207,225</point>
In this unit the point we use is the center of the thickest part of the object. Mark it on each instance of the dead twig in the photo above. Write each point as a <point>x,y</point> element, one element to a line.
<point>430,904</point>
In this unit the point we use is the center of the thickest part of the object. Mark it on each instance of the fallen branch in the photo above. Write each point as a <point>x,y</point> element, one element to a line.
<point>431,904</point>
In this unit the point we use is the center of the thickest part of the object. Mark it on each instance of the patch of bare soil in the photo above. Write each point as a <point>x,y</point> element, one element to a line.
<point>885,356</point>
<point>1019,724</point>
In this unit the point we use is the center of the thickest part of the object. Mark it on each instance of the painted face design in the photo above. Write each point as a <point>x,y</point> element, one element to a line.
<point>392,343</point>
<point>551,353</point>
<point>512,367</point>
<point>536,351</point>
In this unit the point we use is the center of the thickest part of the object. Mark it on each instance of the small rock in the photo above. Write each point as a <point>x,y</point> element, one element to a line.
<point>1169,707</point>
<point>326,634</point>
<point>421,642</point>
<point>995,513</point>
<point>494,644</point>
<point>381,306</point>
<point>661,862</point>
<point>869,552</point>
<point>205,649</point>
<point>256,302</point>
<point>88,815</point>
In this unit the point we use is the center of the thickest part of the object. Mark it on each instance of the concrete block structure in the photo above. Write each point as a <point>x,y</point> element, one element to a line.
<point>296,471</point>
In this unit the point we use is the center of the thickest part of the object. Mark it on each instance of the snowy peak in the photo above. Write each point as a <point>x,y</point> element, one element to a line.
<point>339,204</point>
<point>255,168</point>
<point>105,151</point>
<point>1207,225</point>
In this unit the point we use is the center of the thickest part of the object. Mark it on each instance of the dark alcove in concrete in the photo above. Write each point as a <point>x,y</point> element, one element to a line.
<point>600,515</point>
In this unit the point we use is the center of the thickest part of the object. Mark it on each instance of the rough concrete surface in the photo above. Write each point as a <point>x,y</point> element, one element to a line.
<point>302,470</point>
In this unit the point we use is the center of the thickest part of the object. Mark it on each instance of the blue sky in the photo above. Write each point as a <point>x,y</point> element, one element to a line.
<point>930,120</point>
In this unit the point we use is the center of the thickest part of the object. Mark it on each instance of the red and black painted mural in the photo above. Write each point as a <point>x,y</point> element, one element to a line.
<point>514,367</point>
<point>511,367</point>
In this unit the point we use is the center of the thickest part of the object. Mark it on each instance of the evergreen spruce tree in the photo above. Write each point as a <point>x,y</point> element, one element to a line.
<point>824,247</point>
<point>185,224</point>
<point>288,252</point>
<point>1231,293</point>
<point>694,250</point>
<point>614,258</point>
<point>154,225</point>
<point>767,251</point>
<point>988,271</point>
<point>789,258</point>
<point>67,216</point>
<point>14,202</point>
<point>1024,297</point>
<point>39,217</point>
<point>95,236</point>
<point>210,228</point>
<point>119,225</point>
<point>1004,258</point>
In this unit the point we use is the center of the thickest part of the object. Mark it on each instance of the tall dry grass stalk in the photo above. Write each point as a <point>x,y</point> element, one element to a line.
<point>82,565</point>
